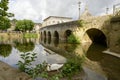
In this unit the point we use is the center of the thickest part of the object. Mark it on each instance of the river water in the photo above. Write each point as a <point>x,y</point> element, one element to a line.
<point>96,66</point>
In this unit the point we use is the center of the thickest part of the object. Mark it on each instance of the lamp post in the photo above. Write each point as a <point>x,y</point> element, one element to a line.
<point>107,9</point>
<point>113,9</point>
<point>79,3</point>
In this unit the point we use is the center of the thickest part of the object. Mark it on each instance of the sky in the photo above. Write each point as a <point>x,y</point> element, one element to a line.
<point>38,10</point>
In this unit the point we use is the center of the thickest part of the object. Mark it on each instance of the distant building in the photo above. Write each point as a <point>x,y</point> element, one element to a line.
<point>51,20</point>
<point>37,27</point>
<point>12,27</point>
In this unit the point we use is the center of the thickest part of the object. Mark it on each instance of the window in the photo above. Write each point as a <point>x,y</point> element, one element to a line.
<point>53,21</point>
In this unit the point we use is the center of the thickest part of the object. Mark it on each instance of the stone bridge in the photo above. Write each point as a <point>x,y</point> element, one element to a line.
<point>93,29</point>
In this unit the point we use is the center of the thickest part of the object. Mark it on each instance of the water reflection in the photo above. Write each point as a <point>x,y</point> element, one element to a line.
<point>5,50</point>
<point>97,66</point>
<point>45,40</point>
<point>20,46</point>
<point>70,47</point>
<point>106,63</point>
<point>94,52</point>
<point>25,46</point>
<point>56,42</point>
<point>49,40</point>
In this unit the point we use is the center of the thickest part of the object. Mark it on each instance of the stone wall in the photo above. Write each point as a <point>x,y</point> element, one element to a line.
<point>115,35</point>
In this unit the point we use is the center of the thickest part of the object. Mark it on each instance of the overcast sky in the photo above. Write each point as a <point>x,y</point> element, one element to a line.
<point>37,10</point>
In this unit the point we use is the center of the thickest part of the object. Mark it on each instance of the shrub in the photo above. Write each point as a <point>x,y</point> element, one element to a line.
<point>80,23</point>
<point>73,39</point>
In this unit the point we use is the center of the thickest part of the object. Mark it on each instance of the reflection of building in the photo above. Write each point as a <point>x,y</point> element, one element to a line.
<point>55,20</point>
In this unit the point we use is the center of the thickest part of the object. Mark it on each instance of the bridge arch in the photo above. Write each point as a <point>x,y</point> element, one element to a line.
<point>56,38</point>
<point>41,35</point>
<point>49,37</point>
<point>96,36</point>
<point>56,35</point>
<point>67,33</point>
<point>44,34</point>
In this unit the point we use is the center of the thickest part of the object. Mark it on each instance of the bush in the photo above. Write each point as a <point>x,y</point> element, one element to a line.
<point>73,39</point>
<point>71,68</point>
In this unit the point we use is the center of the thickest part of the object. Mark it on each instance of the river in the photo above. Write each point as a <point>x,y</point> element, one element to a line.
<point>97,65</point>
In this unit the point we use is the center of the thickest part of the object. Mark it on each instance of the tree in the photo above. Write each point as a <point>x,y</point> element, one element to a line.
<point>24,25</point>
<point>4,15</point>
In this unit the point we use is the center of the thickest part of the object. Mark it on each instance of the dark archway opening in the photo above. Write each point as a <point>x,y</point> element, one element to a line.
<point>45,37</point>
<point>97,36</point>
<point>49,37</point>
<point>67,34</point>
<point>41,36</point>
<point>44,34</point>
<point>56,38</point>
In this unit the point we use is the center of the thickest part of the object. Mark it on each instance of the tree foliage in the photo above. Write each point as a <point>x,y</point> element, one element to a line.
<point>4,15</point>
<point>24,25</point>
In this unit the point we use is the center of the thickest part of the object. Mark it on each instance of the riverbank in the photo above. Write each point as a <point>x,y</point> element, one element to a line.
<point>9,73</point>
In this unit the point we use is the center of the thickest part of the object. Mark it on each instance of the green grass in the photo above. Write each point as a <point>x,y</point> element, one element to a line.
<point>30,35</point>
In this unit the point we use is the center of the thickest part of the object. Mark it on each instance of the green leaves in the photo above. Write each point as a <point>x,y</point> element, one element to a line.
<point>4,20</point>
<point>73,39</point>
<point>71,68</point>
<point>27,58</point>
<point>24,25</point>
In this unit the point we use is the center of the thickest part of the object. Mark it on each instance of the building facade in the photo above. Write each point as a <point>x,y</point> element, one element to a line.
<point>37,27</point>
<point>51,20</point>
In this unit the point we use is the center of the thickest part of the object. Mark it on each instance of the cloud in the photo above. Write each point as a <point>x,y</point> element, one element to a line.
<point>26,9</point>
<point>37,10</point>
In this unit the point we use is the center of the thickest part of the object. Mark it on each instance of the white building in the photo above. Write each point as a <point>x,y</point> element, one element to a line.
<point>51,20</point>
<point>37,27</point>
